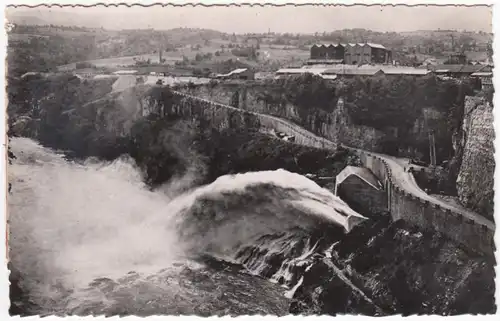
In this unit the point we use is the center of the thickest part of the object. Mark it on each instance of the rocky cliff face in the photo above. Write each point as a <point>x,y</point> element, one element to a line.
<point>258,98</point>
<point>392,266</point>
<point>335,125</point>
<point>474,145</point>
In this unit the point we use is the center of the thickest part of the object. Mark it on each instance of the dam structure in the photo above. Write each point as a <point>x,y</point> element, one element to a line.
<point>404,199</point>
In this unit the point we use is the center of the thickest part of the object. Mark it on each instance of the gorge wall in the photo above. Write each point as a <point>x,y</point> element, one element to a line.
<point>252,97</point>
<point>224,116</point>
<point>335,124</point>
<point>475,181</point>
<point>117,112</point>
<point>138,102</point>
<point>473,143</point>
<point>401,204</point>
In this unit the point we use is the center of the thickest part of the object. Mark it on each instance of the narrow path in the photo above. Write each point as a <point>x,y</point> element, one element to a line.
<point>404,179</point>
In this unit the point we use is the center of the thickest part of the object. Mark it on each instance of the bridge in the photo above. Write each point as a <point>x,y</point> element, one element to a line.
<point>405,200</point>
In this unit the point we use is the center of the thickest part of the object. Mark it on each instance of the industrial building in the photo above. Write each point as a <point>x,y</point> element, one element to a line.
<point>485,78</point>
<point>328,52</point>
<point>351,54</point>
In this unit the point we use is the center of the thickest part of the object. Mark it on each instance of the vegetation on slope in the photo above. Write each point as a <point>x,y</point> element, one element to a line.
<point>397,102</point>
<point>306,91</point>
<point>392,105</point>
<point>163,145</point>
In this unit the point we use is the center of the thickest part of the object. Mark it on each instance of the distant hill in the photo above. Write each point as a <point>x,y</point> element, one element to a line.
<point>48,17</point>
<point>26,20</point>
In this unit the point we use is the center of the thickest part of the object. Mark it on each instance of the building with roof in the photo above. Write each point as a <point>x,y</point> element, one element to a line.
<point>457,58</point>
<point>456,71</point>
<point>350,53</point>
<point>125,72</point>
<point>350,71</point>
<point>327,52</point>
<point>285,72</point>
<point>367,53</point>
<point>362,191</point>
<point>240,73</point>
<point>336,71</point>
<point>300,71</point>
<point>405,71</point>
<point>486,79</point>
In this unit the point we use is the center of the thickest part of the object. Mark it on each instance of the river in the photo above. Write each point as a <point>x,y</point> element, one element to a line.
<point>92,238</point>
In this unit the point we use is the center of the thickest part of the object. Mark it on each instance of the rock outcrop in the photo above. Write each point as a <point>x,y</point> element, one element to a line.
<point>264,100</point>
<point>335,122</point>
<point>475,147</point>
<point>398,269</point>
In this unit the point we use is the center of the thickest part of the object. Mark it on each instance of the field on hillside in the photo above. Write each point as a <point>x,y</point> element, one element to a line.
<point>266,55</point>
<point>117,62</point>
<point>283,53</point>
<point>192,51</point>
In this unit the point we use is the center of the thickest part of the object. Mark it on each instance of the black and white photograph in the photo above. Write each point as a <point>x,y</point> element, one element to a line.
<point>231,160</point>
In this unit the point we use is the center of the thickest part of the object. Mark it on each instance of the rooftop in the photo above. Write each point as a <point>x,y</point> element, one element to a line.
<point>364,71</point>
<point>390,70</point>
<point>373,45</point>
<point>324,61</point>
<point>482,74</point>
<point>125,72</point>
<point>456,68</point>
<point>315,71</point>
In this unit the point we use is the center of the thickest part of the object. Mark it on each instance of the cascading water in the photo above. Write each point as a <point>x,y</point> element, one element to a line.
<point>92,239</point>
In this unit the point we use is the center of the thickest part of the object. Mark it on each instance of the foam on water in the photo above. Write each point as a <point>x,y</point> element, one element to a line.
<point>72,223</point>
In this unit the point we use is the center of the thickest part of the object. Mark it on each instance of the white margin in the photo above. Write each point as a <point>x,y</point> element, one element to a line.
<point>4,298</point>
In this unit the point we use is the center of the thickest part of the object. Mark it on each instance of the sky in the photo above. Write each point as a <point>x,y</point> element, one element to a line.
<point>276,19</point>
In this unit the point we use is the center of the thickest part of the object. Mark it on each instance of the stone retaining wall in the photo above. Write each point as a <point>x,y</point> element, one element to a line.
<point>410,208</point>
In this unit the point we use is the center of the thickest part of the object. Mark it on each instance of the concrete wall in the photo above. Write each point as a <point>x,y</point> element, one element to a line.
<point>405,206</point>
<point>224,116</point>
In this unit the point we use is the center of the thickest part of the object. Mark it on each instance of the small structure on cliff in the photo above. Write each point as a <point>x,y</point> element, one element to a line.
<point>486,79</point>
<point>361,190</point>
